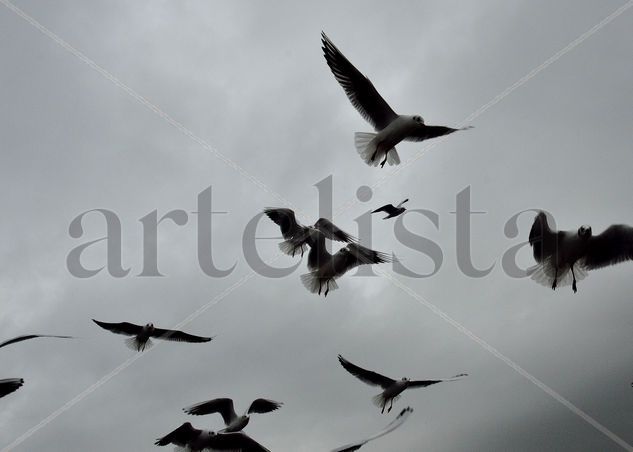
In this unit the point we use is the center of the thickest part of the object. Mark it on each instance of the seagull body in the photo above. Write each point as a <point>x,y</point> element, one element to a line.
<point>196,440</point>
<point>397,422</point>
<point>391,388</point>
<point>224,407</point>
<point>9,385</point>
<point>141,335</point>
<point>391,128</point>
<point>561,253</point>
<point>392,211</point>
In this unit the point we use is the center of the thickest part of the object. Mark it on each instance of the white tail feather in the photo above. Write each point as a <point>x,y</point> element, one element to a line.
<point>392,157</point>
<point>134,344</point>
<point>313,283</point>
<point>366,148</point>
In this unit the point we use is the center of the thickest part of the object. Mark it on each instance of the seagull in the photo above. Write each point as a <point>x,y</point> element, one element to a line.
<point>224,406</point>
<point>397,422</point>
<point>9,385</point>
<point>328,267</point>
<point>392,388</point>
<point>559,253</point>
<point>195,440</point>
<point>141,335</point>
<point>392,211</point>
<point>30,336</point>
<point>391,127</point>
<point>297,236</point>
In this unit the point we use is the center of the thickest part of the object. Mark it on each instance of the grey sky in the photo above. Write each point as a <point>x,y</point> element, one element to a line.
<point>250,79</point>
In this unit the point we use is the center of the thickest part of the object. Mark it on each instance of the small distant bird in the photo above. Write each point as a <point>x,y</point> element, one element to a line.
<point>392,388</point>
<point>397,422</point>
<point>392,211</point>
<point>30,336</point>
<point>298,236</point>
<point>559,253</point>
<point>196,440</point>
<point>391,127</point>
<point>141,335</point>
<point>224,406</point>
<point>329,267</point>
<point>9,385</point>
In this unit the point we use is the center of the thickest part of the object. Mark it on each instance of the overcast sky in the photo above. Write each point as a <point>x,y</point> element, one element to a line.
<point>249,79</point>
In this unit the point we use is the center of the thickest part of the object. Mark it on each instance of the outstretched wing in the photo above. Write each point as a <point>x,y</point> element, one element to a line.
<point>333,232</point>
<point>178,336</point>
<point>30,336</point>
<point>425,383</point>
<point>366,376</point>
<point>542,238</point>
<point>263,406</point>
<point>9,385</point>
<point>397,422</point>
<point>224,406</point>
<point>423,132</point>
<point>237,441</point>
<point>360,91</point>
<point>286,220</point>
<point>613,246</point>
<point>354,255</point>
<point>180,437</point>
<point>126,328</point>
<point>388,208</point>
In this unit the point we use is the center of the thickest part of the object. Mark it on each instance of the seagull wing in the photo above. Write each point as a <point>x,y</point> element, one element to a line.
<point>263,406</point>
<point>354,255</point>
<point>423,132</point>
<point>425,383</point>
<point>333,232</point>
<point>367,376</point>
<point>397,422</point>
<point>126,328</point>
<point>360,91</point>
<point>178,336</point>
<point>30,336</point>
<point>613,246</point>
<point>9,385</point>
<point>224,406</point>
<point>180,437</point>
<point>388,208</point>
<point>286,220</point>
<point>237,441</point>
<point>542,239</point>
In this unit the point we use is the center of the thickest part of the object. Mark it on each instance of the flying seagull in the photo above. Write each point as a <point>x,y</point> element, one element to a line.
<point>298,236</point>
<point>9,385</point>
<point>195,440</point>
<point>391,128</point>
<point>397,422</point>
<point>224,406</point>
<point>329,267</point>
<point>392,211</point>
<point>30,336</point>
<point>391,388</point>
<point>141,335</point>
<point>561,253</point>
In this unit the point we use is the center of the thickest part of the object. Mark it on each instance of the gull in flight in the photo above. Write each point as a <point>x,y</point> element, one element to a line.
<point>195,440</point>
<point>391,128</point>
<point>224,406</point>
<point>561,253</point>
<point>392,211</point>
<point>391,388</point>
<point>141,335</point>
<point>298,236</point>
<point>397,422</point>
<point>30,336</point>
<point>9,385</point>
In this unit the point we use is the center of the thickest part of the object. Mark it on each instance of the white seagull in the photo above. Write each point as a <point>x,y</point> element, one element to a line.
<point>141,335</point>
<point>391,127</point>
<point>397,422</point>
<point>392,211</point>
<point>195,440</point>
<point>561,253</point>
<point>391,388</point>
<point>224,406</point>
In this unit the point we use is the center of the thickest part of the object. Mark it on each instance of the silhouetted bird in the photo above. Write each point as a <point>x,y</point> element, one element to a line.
<point>391,127</point>
<point>397,422</point>
<point>561,253</point>
<point>392,388</point>
<point>196,440</point>
<point>392,211</point>
<point>297,235</point>
<point>30,336</point>
<point>224,407</point>
<point>9,385</point>
<point>141,335</point>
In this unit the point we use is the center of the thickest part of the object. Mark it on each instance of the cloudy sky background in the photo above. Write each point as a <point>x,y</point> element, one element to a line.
<point>250,80</point>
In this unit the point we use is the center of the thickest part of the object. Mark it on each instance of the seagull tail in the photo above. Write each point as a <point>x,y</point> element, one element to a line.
<point>138,346</point>
<point>392,157</point>
<point>366,148</point>
<point>313,283</point>
<point>291,248</point>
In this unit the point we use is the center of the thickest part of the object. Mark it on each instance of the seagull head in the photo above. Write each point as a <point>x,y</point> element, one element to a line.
<point>418,119</point>
<point>584,231</point>
<point>405,379</point>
